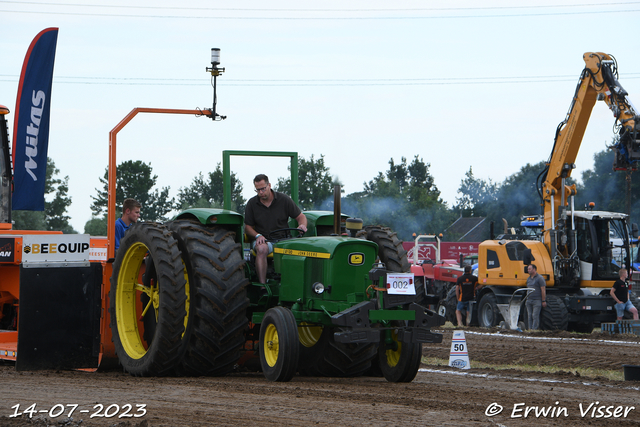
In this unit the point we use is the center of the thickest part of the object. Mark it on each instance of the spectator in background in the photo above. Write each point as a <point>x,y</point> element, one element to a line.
<point>620,293</point>
<point>466,287</point>
<point>130,214</point>
<point>536,298</point>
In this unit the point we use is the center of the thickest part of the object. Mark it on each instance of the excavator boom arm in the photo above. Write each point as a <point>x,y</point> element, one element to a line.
<point>598,81</point>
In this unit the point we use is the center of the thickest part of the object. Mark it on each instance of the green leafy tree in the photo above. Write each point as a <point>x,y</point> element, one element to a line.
<point>405,198</point>
<point>56,210</point>
<point>517,196</point>
<point>315,183</point>
<point>410,182</point>
<point>476,195</point>
<point>606,187</point>
<point>28,220</point>
<point>96,226</point>
<point>134,179</point>
<point>209,192</point>
<point>54,217</point>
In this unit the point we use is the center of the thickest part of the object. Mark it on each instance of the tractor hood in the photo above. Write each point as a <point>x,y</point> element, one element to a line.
<point>320,223</point>
<point>324,247</point>
<point>340,264</point>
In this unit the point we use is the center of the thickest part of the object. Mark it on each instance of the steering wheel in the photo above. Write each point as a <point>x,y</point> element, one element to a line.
<point>274,233</point>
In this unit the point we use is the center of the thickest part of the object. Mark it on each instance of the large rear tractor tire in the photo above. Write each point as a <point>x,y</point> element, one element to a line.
<point>279,344</point>
<point>158,353</point>
<point>218,298</point>
<point>555,315</point>
<point>390,250</point>
<point>488,311</point>
<point>392,254</point>
<point>447,308</point>
<point>399,361</point>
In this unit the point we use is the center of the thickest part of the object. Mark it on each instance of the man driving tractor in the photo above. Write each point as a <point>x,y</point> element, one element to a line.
<point>265,213</point>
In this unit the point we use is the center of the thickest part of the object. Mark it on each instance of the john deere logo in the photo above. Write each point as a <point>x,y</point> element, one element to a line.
<point>356,258</point>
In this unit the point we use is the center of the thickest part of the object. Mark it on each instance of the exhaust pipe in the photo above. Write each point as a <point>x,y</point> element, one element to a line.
<point>336,210</point>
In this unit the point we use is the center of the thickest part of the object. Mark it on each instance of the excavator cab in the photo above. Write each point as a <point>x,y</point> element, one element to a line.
<point>601,246</point>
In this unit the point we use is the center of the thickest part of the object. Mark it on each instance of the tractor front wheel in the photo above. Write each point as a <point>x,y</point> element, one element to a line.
<point>157,351</point>
<point>399,361</point>
<point>279,344</point>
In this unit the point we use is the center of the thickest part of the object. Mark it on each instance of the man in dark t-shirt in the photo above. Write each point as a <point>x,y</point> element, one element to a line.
<point>266,212</point>
<point>466,287</point>
<point>620,293</point>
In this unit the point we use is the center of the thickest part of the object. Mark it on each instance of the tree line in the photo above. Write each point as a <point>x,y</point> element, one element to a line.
<point>404,197</point>
<point>55,216</point>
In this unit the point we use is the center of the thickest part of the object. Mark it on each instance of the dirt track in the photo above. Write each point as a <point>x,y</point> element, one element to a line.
<point>439,396</point>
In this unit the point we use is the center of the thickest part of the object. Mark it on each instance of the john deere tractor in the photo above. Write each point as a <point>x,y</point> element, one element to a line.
<point>184,300</point>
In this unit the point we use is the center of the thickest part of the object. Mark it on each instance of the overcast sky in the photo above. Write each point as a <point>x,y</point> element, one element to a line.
<point>461,84</point>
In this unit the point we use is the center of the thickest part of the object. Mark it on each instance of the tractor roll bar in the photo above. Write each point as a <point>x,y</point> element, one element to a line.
<point>111,199</point>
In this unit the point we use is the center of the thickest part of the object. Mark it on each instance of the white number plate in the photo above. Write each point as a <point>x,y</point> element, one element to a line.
<point>401,284</point>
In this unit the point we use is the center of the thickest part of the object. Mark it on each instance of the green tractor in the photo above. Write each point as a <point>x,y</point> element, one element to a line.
<point>184,300</point>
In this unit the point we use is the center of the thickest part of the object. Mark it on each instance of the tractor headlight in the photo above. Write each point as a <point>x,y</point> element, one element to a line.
<point>318,288</point>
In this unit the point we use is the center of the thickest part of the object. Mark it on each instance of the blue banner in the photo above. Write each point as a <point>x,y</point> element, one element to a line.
<point>31,128</point>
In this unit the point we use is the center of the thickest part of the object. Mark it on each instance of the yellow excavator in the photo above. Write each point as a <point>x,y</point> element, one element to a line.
<point>580,253</point>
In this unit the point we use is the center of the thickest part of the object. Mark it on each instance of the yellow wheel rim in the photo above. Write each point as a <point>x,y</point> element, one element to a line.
<point>126,298</point>
<point>309,335</point>
<point>188,302</point>
<point>393,356</point>
<point>271,346</point>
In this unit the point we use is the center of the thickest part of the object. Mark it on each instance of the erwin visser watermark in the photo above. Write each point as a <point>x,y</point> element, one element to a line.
<point>585,410</point>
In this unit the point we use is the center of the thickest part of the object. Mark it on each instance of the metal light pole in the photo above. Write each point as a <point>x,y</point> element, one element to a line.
<point>215,72</point>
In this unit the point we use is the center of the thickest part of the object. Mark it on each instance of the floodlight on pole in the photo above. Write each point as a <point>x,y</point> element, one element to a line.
<point>215,72</point>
